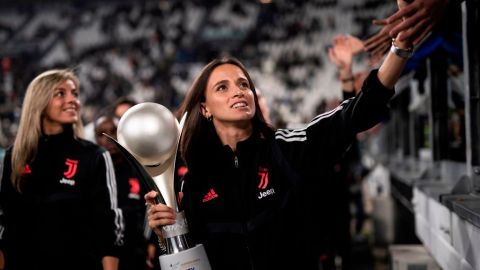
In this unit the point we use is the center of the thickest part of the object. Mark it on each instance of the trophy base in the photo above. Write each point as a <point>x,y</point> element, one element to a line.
<point>192,258</point>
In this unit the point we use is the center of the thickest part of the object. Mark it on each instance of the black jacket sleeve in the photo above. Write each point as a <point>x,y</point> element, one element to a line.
<point>108,217</point>
<point>328,135</point>
<point>3,177</point>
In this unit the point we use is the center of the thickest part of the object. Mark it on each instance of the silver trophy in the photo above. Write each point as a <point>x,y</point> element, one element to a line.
<point>148,136</point>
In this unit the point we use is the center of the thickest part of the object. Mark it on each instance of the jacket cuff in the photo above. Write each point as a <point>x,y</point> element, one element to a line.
<point>111,251</point>
<point>373,85</point>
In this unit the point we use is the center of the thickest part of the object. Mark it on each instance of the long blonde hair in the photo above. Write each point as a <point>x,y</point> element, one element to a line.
<point>38,95</point>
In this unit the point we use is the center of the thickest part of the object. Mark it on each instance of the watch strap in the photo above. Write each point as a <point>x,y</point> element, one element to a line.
<point>403,53</point>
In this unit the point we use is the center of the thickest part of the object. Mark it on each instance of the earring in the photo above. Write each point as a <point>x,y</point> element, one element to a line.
<point>210,118</point>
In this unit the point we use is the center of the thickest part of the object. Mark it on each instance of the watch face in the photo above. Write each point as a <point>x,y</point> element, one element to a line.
<point>403,53</point>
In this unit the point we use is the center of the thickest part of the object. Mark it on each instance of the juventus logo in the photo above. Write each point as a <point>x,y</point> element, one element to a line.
<point>26,169</point>
<point>134,188</point>
<point>72,168</point>
<point>263,173</point>
<point>134,185</point>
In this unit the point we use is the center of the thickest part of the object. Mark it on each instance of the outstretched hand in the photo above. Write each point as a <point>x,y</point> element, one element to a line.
<point>378,44</point>
<point>341,54</point>
<point>382,37</point>
<point>419,17</point>
<point>356,45</point>
<point>412,22</point>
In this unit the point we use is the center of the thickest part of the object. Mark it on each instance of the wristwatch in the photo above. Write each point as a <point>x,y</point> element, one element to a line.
<point>403,53</point>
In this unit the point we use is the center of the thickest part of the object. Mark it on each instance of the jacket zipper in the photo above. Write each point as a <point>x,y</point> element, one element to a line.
<point>235,159</point>
<point>252,267</point>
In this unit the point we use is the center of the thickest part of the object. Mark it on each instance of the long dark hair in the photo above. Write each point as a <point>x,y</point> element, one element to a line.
<point>196,124</point>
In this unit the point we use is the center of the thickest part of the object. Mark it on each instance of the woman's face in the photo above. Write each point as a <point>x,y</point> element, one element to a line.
<point>62,109</point>
<point>228,97</point>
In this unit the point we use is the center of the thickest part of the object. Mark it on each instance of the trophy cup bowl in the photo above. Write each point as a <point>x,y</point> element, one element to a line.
<point>150,132</point>
<point>148,136</point>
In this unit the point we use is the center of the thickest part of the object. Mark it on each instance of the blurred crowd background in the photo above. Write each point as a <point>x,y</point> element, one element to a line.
<point>150,50</point>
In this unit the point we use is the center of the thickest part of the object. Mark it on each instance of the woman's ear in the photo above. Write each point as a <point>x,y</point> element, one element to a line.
<point>204,110</point>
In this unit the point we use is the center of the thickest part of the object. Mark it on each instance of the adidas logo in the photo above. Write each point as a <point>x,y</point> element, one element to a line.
<point>210,196</point>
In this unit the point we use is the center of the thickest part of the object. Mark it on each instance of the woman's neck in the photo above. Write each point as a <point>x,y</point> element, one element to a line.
<point>53,130</point>
<point>231,135</point>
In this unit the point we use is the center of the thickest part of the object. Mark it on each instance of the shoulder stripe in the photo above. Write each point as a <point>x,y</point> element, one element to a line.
<point>290,133</point>
<point>329,113</point>
<point>325,115</point>
<point>112,189</point>
<point>2,229</point>
<point>291,139</point>
<point>147,231</point>
<point>300,135</point>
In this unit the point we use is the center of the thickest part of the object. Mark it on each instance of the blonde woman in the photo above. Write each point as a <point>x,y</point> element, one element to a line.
<point>58,192</point>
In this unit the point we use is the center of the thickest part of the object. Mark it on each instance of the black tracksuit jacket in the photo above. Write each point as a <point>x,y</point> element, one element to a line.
<point>256,208</point>
<point>132,203</point>
<point>67,215</point>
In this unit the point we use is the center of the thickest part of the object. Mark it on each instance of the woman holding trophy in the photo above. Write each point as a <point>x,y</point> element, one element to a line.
<point>248,193</point>
<point>58,203</point>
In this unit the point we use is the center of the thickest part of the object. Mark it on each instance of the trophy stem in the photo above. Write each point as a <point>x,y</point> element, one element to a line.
<point>176,235</point>
<point>178,243</point>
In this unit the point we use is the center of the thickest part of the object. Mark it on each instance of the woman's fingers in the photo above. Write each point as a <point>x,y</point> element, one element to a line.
<point>372,44</point>
<point>406,11</point>
<point>416,31</point>
<point>423,35</point>
<point>409,23</point>
<point>355,44</point>
<point>332,56</point>
<point>378,52</point>
<point>379,22</point>
<point>160,215</point>
<point>150,197</point>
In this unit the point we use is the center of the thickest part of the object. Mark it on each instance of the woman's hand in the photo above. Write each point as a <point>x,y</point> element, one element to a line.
<point>158,214</point>
<point>342,52</point>
<point>419,17</point>
<point>403,3</point>
<point>392,67</point>
<point>356,45</point>
<point>400,39</point>
<point>414,20</point>
<point>376,43</point>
